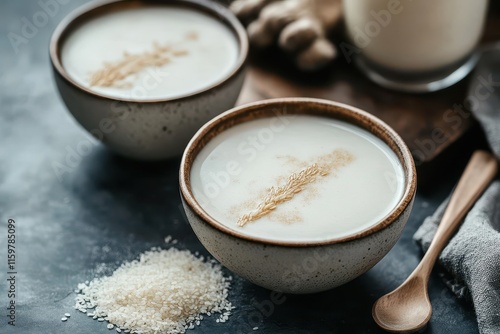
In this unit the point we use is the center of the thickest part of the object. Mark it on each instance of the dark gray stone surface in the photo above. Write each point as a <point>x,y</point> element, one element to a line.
<point>106,209</point>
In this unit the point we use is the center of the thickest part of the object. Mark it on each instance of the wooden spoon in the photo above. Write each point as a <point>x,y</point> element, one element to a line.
<point>408,309</point>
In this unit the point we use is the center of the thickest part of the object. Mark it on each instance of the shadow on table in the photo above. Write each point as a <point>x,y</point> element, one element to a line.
<point>346,309</point>
<point>129,197</point>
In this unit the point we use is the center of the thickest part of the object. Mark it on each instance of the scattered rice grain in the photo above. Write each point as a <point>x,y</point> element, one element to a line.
<point>163,291</point>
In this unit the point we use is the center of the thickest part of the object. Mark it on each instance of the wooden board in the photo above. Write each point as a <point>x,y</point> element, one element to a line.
<point>429,123</point>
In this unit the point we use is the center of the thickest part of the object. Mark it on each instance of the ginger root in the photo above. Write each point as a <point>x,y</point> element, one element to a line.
<point>298,27</point>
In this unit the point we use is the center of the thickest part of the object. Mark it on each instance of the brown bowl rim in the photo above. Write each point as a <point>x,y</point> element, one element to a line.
<point>309,106</point>
<point>96,8</point>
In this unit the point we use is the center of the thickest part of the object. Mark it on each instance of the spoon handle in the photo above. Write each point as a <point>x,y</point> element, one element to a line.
<point>480,170</point>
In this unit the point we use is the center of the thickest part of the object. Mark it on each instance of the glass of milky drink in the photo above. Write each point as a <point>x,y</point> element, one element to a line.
<point>143,76</point>
<point>297,195</point>
<point>414,46</point>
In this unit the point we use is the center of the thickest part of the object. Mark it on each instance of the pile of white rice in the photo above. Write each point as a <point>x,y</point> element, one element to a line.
<point>164,291</point>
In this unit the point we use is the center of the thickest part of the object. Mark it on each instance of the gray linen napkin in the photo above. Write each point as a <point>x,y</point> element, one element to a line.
<point>472,257</point>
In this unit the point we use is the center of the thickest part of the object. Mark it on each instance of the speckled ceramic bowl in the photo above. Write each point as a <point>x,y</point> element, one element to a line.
<point>298,267</point>
<point>149,130</point>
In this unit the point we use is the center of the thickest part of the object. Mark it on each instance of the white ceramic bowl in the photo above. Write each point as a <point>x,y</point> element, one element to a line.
<point>148,130</point>
<point>298,267</point>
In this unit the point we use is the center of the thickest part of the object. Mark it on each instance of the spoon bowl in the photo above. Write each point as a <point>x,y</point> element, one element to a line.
<point>390,311</point>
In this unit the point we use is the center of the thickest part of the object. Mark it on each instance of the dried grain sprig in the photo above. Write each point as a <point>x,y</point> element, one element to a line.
<point>296,183</point>
<point>113,75</point>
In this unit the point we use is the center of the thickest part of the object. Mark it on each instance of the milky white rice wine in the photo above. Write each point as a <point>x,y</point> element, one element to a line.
<point>150,52</point>
<point>297,178</point>
<point>413,36</point>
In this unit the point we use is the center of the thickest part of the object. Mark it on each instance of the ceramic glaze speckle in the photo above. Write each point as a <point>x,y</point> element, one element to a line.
<point>298,266</point>
<point>153,129</point>
<point>149,131</point>
<point>297,270</point>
